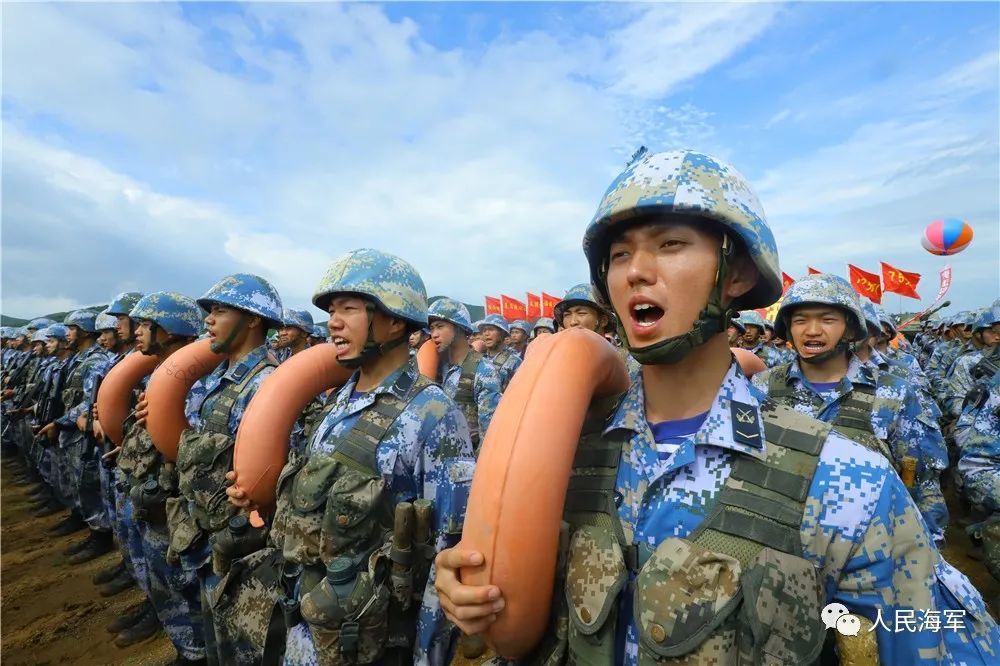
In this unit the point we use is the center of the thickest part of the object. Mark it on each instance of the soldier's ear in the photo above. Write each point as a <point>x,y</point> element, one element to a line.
<point>741,277</point>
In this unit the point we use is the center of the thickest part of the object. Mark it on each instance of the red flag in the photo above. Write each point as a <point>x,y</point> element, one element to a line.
<point>534,306</point>
<point>900,282</point>
<point>813,271</point>
<point>548,304</point>
<point>493,306</point>
<point>512,308</point>
<point>865,283</point>
<point>786,282</point>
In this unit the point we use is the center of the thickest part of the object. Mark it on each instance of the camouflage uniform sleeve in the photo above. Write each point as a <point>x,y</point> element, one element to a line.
<point>192,404</point>
<point>980,461</point>
<point>893,572</point>
<point>448,465</point>
<point>236,415</point>
<point>487,390</point>
<point>959,384</point>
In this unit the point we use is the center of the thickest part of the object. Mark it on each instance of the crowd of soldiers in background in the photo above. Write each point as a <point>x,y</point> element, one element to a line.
<point>313,585</point>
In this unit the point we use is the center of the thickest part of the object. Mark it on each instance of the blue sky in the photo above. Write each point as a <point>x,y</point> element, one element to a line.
<point>160,146</point>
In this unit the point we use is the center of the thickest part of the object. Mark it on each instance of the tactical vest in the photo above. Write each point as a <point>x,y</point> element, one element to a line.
<point>736,591</point>
<point>854,416</point>
<point>987,367</point>
<point>72,391</point>
<point>332,505</point>
<point>205,456</point>
<point>465,396</point>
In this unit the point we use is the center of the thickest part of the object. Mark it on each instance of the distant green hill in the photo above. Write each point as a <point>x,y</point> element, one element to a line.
<point>55,316</point>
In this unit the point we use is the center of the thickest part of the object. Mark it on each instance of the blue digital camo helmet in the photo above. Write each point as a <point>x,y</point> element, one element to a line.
<point>495,320</point>
<point>300,319</point>
<point>544,322</point>
<point>580,294</point>
<point>703,190</point>
<point>123,303</point>
<point>823,289</point>
<point>105,322</point>
<point>522,325</point>
<point>175,313</point>
<point>320,331</point>
<point>57,331</point>
<point>40,322</point>
<point>450,310</point>
<point>752,318</point>
<point>387,282</point>
<point>85,320</point>
<point>250,293</point>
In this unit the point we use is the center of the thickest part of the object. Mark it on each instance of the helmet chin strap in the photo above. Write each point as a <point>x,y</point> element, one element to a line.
<point>224,346</point>
<point>712,320</point>
<point>372,349</point>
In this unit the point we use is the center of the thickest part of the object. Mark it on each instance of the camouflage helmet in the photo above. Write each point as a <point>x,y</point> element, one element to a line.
<point>872,317</point>
<point>689,183</point>
<point>35,324</point>
<point>392,283</point>
<point>522,325</point>
<point>966,318</point>
<point>769,324</point>
<point>57,331</point>
<point>6,332</point>
<point>82,319</point>
<point>752,318</point>
<point>885,318</point>
<point>246,292</point>
<point>495,320</point>
<point>320,331</point>
<point>987,317</point>
<point>39,336</point>
<point>735,321</point>
<point>450,310</point>
<point>822,289</point>
<point>544,322</point>
<point>123,303</point>
<point>580,294</point>
<point>175,313</point>
<point>300,319</point>
<point>105,322</point>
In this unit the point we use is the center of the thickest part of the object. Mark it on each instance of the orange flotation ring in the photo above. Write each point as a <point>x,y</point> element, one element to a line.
<point>262,439</point>
<point>168,389</point>
<point>522,474</point>
<point>428,359</point>
<point>749,362</point>
<point>113,398</point>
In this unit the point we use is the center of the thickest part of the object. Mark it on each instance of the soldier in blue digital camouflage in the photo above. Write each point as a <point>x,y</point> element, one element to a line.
<point>979,467</point>
<point>391,442</point>
<point>241,308</point>
<point>543,326</point>
<point>520,333</point>
<point>293,336</point>
<point>319,335</point>
<point>960,380</point>
<point>754,328</point>
<point>785,355</point>
<point>493,330</point>
<point>119,308</point>
<point>702,528</point>
<point>469,378</point>
<point>164,322</point>
<point>947,353</point>
<point>80,455</point>
<point>825,320</point>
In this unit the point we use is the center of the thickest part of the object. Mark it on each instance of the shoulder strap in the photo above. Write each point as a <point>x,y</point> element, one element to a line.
<point>778,387</point>
<point>466,381</point>
<point>218,419</point>
<point>358,446</point>
<point>762,502</point>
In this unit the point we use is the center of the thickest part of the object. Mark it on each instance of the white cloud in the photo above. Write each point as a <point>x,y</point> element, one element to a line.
<point>780,116</point>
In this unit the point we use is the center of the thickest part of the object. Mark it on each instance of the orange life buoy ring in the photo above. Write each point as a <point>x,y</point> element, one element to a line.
<point>262,439</point>
<point>168,389</point>
<point>749,362</point>
<point>113,398</point>
<point>428,359</point>
<point>522,474</point>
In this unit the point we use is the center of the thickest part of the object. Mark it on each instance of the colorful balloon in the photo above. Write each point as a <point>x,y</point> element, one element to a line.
<point>948,236</point>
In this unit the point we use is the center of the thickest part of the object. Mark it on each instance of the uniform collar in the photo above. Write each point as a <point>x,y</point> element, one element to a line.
<point>857,373</point>
<point>236,372</point>
<point>733,422</point>
<point>397,383</point>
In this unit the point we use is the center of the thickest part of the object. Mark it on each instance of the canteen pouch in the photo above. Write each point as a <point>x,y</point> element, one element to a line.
<point>685,598</point>
<point>356,515</point>
<point>245,597</point>
<point>184,531</point>
<point>203,460</point>
<point>361,636</point>
<point>595,575</point>
<point>779,618</point>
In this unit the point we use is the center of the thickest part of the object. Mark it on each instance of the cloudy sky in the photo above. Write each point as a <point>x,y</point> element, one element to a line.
<point>162,146</point>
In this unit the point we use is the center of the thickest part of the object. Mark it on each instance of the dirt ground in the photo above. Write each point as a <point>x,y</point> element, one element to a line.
<point>51,613</point>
